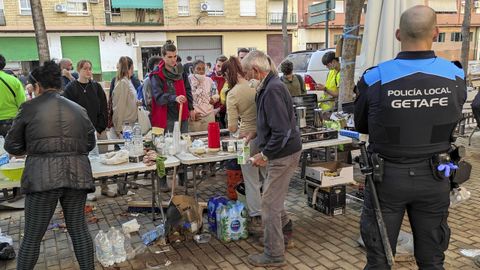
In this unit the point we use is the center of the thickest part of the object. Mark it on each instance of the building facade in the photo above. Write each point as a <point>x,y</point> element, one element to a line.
<point>449,19</point>
<point>104,30</point>
<point>229,25</point>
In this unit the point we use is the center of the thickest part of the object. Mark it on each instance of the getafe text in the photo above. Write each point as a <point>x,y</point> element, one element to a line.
<point>426,98</point>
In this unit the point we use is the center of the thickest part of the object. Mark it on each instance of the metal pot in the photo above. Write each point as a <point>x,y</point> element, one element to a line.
<point>318,118</point>
<point>301,116</point>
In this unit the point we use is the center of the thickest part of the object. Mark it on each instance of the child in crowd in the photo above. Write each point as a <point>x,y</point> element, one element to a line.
<point>203,98</point>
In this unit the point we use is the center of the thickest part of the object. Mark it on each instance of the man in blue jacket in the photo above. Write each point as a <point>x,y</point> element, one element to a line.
<point>410,107</point>
<point>278,138</point>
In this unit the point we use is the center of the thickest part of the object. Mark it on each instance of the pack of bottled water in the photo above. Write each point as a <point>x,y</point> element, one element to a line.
<point>110,247</point>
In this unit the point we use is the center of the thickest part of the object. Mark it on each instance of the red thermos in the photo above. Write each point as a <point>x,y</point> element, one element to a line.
<point>213,135</point>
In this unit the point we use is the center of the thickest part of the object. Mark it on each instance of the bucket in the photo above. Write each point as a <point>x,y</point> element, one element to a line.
<point>234,177</point>
<point>13,171</point>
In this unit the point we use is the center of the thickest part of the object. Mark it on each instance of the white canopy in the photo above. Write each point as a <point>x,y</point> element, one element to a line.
<point>381,21</point>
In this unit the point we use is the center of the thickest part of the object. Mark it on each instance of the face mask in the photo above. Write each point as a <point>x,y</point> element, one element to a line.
<point>253,83</point>
<point>200,77</point>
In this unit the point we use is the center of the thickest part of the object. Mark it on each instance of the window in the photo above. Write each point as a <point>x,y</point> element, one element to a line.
<point>215,7</point>
<point>248,8</point>
<point>77,7</point>
<point>2,14</point>
<point>25,8</point>
<point>364,8</point>
<point>457,36</point>
<point>183,8</point>
<point>315,46</point>
<point>116,12</point>
<point>441,37</point>
<point>443,6</point>
<point>338,7</point>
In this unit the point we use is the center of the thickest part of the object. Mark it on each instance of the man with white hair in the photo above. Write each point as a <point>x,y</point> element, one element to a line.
<point>278,138</point>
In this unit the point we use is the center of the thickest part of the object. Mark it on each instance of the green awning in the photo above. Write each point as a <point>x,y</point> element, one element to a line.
<point>82,47</point>
<point>150,4</point>
<point>19,48</point>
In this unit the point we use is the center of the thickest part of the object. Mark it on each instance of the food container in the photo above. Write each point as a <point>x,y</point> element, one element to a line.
<point>13,171</point>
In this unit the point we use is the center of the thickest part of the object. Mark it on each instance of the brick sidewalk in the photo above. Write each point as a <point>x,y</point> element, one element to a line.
<point>321,242</point>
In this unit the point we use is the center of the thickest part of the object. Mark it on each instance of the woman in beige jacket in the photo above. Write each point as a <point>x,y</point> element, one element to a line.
<point>124,97</point>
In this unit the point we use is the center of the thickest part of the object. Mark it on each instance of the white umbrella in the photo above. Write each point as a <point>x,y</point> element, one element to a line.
<point>381,21</point>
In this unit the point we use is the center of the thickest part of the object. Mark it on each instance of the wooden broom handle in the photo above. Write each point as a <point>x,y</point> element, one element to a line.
<point>180,113</point>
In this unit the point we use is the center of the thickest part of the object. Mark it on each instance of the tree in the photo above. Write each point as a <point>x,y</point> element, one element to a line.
<point>467,15</point>
<point>284,28</point>
<point>353,11</point>
<point>40,31</point>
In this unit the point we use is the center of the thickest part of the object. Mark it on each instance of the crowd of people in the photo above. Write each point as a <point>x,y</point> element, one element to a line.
<point>244,94</point>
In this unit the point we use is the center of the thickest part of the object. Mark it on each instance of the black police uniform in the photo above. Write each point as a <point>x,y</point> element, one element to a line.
<point>410,106</point>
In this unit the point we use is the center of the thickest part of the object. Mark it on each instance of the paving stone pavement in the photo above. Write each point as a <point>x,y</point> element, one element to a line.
<point>321,242</point>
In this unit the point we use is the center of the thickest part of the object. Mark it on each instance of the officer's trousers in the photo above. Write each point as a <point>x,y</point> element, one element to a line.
<point>412,188</point>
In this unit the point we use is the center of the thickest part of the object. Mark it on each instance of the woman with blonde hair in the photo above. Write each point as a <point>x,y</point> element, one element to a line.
<point>124,99</point>
<point>242,117</point>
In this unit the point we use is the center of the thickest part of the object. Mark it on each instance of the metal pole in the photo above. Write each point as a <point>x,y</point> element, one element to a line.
<point>326,29</point>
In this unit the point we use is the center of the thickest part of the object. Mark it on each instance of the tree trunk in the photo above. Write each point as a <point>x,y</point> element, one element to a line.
<point>40,31</point>
<point>353,10</point>
<point>284,28</point>
<point>467,15</point>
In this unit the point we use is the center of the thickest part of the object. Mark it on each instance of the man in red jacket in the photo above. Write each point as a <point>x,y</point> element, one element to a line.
<point>170,89</point>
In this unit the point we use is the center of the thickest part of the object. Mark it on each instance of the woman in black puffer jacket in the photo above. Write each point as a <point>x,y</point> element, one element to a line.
<point>56,135</point>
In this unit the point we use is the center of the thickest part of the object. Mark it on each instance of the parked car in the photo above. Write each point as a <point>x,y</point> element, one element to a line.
<point>309,65</point>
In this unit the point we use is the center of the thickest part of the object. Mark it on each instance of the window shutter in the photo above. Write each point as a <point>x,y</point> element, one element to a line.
<point>248,8</point>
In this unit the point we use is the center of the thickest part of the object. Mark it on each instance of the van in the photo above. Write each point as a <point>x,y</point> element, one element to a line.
<point>308,64</point>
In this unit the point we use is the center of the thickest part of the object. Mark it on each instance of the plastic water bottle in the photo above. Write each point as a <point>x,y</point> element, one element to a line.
<point>2,144</point>
<point>137,140</point>
<point>4,157</point>
<point>214,90</point>
<point>202,238</point>
<point>130,252</point>
<point>103,249</point>
<point>161,234</point>
<point>94,153</point>
<point>118,245</point>
<point>127,137</point>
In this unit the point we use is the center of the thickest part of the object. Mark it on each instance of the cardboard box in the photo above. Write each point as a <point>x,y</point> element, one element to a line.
<point>328,174</point>
<point>330,201</point>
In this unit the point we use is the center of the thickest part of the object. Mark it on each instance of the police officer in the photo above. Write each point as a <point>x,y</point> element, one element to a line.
<point>410,106</point>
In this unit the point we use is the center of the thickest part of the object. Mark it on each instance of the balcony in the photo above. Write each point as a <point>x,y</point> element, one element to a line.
<point>276,18</point>
<point>2,18</point>
<point>134,17</point>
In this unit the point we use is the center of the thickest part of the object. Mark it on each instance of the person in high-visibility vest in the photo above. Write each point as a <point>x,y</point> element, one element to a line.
<point>332,85</point>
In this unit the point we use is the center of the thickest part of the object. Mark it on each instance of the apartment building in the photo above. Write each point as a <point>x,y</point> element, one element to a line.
<point>206,29</point>
<point>82,29</point>
<point>104,30</point>
<point>449,19</point>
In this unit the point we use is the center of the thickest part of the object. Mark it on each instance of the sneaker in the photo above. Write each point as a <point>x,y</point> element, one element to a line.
<point>262,260</point>
<point>255,226</point>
